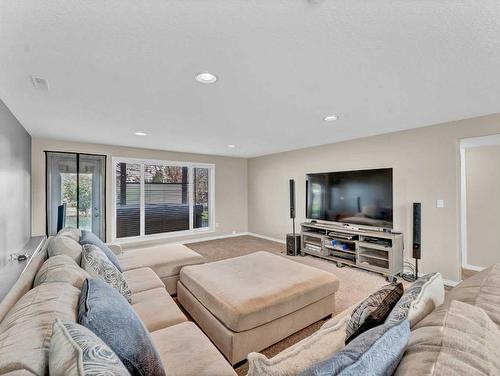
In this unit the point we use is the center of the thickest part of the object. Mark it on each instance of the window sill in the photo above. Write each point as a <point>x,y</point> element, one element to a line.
<point>164,236</point>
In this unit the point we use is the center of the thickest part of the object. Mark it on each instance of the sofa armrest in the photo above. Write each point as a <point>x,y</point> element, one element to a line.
<point>116,248</point>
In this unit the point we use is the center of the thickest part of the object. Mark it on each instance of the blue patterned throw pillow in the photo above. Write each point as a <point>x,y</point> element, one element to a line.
<point>89,237</point>
<point>106,313</point>
<point>75,350</point>
<point>376,352</point>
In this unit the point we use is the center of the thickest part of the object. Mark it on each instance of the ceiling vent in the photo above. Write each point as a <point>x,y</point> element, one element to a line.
<point>40,83</point>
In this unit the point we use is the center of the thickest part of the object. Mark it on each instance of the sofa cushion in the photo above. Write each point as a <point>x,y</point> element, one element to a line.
<point>455,339</point>
<point>89,237</point>
<point>107,313</point>
<point>302,355</point>
<point>26,330</point>
<point>373,311</point>
<point>75,350</point>
<point>248,291</point>
<point>71,232</point>
<point>375,352</point>
<point>175,345</point>
<point>61,268</point>
<point>166,260</point>
<point>420,299</point>
<point>481,290</point>
<point>95,262</point>
<point>64,245</point>
<point>142,279</point>
<point>157,309</point>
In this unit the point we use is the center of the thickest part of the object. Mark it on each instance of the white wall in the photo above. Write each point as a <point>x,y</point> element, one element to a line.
<point>426,168</point>
<point>231,202</point>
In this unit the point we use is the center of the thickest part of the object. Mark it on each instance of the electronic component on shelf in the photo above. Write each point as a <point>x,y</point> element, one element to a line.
<point>342,235</point>
<point>383,242</point>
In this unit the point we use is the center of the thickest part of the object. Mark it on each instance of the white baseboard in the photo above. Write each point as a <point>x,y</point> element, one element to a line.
<point>153,242</point>
<point>473,267</point>
<point>205,239</point>
<point>450,283</point>
<point>282,241</point>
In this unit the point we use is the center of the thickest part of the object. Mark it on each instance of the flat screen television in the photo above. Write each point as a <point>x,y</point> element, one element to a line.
<point>362,197</point>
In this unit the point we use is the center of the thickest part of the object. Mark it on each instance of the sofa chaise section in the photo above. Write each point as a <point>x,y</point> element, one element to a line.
<point>165,260</point>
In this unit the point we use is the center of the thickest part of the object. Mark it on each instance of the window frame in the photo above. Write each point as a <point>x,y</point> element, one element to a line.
<point>191,166</point>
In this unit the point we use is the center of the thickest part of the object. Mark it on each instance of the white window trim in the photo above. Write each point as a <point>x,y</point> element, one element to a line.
<point>176,234</point>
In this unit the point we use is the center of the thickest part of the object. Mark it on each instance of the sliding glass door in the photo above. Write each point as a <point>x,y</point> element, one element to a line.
<point>77,180</point>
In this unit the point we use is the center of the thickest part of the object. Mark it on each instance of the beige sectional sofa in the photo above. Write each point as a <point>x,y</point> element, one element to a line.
<point>451,339</point>
<point>28,312</point>
<point>459,339</point>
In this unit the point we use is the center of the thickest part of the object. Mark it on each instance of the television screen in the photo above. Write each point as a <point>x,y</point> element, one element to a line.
<point>361,197</point>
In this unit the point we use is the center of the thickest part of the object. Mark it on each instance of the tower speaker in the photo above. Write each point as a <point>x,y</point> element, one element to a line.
<point>417,230</point>
<point>417,235</point>
<point>293,239</point>
<point>292,200</point>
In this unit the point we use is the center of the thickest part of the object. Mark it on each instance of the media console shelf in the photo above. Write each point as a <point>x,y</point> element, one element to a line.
<point>381,252</point>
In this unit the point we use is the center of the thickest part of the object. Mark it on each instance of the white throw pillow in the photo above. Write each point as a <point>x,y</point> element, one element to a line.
<point>61,268</point>
<point>431,296</point>
<point>64,245</point>
<point>420,299</point>
<point>75,350</point>
<point>71,232</point>
<point>303,354</point>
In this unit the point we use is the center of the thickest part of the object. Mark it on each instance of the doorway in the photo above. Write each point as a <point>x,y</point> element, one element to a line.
<point>479,202</point>
<point>79,181</point>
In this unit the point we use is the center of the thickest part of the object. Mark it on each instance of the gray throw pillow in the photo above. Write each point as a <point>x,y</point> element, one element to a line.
<point>373,311</point>
<point>376,352</point>
<point>89,237</point>
<point>106,313</point>
<point>75,350</point>
<point>95,262</point>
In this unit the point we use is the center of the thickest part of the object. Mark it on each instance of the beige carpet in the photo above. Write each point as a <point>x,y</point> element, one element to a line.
<point>355,284</point>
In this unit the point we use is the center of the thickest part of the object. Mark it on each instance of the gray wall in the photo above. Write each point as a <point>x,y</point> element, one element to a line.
<point>15,184</point>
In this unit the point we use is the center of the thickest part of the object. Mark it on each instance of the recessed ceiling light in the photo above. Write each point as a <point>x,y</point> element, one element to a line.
<point>231,146</point>
<point>206,78</point>
<point>330,118</point>
<point>140,134</point>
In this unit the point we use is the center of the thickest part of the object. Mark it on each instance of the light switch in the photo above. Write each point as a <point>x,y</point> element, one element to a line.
<point>440,204</point>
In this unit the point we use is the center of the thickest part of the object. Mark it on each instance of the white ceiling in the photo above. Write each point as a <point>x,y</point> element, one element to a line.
<point>120,66</point>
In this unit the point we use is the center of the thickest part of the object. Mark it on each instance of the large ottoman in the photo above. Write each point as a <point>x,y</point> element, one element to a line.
<point>166,260</point>
<point>248,303</point>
